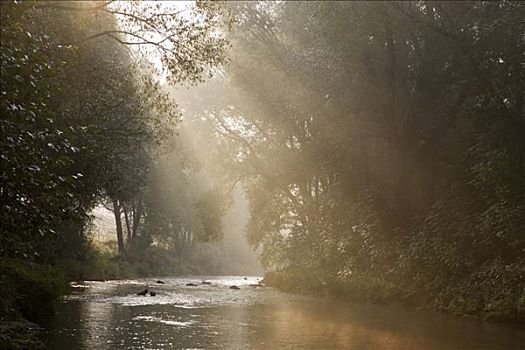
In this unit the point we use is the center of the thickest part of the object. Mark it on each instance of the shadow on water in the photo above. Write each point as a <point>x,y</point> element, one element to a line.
<point>212,316</point>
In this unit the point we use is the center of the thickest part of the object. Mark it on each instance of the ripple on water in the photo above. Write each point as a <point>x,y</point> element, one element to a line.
<point>178,300</point>
<point>172,292</point>
<point>160,320</point>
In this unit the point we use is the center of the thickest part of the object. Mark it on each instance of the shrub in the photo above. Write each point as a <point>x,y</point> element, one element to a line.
<point>30,288</point>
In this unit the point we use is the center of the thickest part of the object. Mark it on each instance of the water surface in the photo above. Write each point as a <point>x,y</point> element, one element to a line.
<point>110,315</point>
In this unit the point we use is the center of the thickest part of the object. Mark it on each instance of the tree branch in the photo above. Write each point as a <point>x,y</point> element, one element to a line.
<point>52,5</point>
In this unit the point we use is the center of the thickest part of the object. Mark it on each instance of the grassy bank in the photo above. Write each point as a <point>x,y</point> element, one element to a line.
<point>508,307</point>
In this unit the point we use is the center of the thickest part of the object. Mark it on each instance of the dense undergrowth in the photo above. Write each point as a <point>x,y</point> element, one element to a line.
<point>387,165</point>
<point>476,295</point>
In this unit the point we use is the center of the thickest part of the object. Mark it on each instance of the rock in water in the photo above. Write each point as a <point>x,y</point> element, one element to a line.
<point>206,282</point>
<point>191,285</point>
<point>160,282</point>
<point>234,287</point>
<point>152,294</point>
<point>144,292</point>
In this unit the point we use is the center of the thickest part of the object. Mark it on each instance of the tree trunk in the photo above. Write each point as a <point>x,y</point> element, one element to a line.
<point>137,214</point>
<point>128,227</point>
<point>118,222</point>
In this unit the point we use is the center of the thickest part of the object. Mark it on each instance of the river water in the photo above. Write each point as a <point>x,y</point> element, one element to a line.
<point>110,315</point>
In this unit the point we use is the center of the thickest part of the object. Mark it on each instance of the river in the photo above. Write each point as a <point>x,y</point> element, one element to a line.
<point>110,315</point>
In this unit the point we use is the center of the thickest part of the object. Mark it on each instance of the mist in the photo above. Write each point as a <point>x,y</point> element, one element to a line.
<point>262,174</point>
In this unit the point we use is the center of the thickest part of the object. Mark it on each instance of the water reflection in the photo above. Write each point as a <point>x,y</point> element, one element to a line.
<point>110,316</point>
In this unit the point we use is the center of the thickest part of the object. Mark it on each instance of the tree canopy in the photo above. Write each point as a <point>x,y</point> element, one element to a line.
<point>383,141</point>
<point>84,111</point>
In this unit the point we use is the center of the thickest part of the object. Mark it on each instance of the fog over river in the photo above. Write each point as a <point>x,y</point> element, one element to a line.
<point>110,315</point>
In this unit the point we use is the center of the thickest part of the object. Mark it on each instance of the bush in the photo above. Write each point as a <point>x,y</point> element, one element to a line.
<point>353,288</point>
<point>295,279</point>
<point>366,289</point>
<point>29,288</point>
<point>19,336</point>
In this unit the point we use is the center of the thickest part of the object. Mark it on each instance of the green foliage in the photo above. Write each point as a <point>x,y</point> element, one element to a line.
<point>294,280</point>
<point>95,263</point>
<point>19,336</point>
<point>211,209</point>
<point>382,141</point>
<point>84,117</point>
<point>30,288</point>
<point>350,288</point>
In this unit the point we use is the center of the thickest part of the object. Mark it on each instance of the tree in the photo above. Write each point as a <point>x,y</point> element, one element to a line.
<point>378,138</point>
<point>84,115</point>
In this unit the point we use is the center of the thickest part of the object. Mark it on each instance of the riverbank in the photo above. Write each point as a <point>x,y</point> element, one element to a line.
<point>20,335</point>
<point>27,292</point>
<point>29,289</point>
<point>506,309</point>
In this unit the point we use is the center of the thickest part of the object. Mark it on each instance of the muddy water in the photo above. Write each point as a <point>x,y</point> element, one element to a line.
<point>110,315</point>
